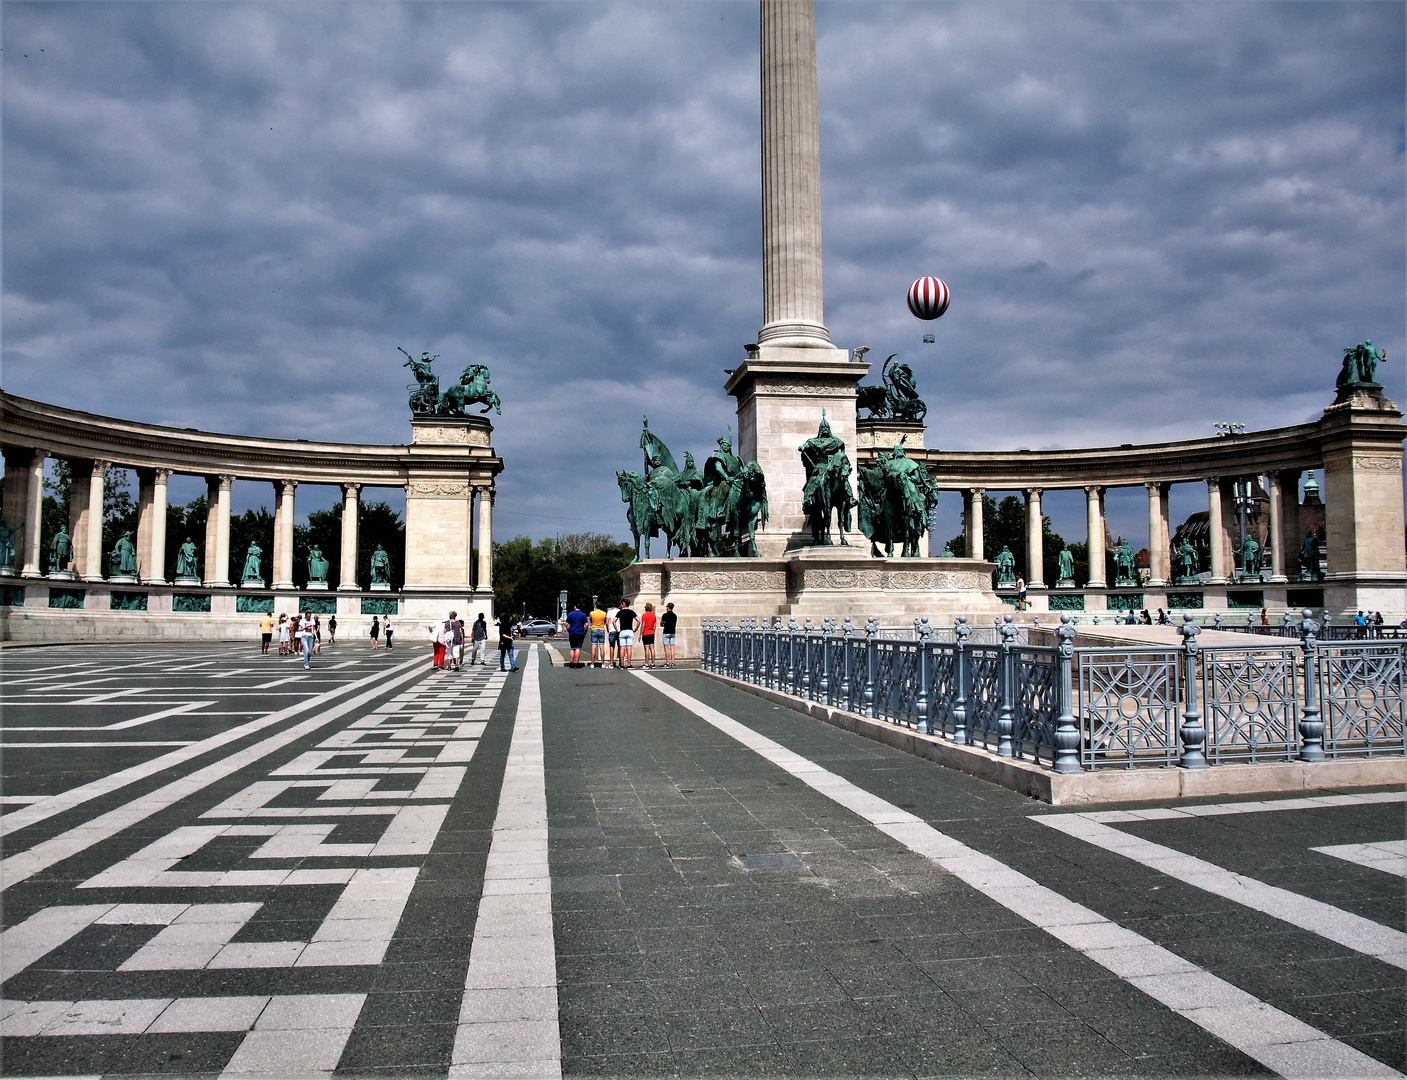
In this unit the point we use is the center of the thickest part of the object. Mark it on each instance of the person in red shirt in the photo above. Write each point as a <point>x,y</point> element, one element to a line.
<point>647,634</point>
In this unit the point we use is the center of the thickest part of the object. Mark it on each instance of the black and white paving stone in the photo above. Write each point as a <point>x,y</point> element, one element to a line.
<point>217,863</point>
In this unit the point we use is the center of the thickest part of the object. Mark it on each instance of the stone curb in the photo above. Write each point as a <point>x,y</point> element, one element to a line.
<point>1105,785</point>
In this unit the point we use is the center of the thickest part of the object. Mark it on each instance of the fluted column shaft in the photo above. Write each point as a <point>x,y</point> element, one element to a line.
<point>93,553</point>
<point>283,534</point>
<point>792,301</point>
<point>972,500</point>
<point>485,581</point>
<point>351,509</point>
<point>33,515</point>
<point>1035,540</point>
<point>1216,533</point>
<point>1285,517</point>
<point>1094,536</point>
<point>212,529</point>
<point>1159,556</point>
<point>156,559</point>
<point>222,532</point>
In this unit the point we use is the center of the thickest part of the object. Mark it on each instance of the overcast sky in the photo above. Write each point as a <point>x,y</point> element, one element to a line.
<point>1152,216</point>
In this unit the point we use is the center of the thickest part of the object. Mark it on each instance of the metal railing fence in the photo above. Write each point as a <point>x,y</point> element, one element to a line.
<point>1076,708</point>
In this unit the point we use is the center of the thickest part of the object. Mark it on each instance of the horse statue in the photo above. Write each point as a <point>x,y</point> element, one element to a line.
<point>635,493</point>
<point>425,394</point>
<point>896,397</point>
<point>670,507</point>
<point>747,508</point>
<point>472,389</point>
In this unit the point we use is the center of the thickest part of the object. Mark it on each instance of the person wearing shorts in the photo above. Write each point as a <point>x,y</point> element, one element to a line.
<point>577,622</point>
<point>648,622</point>
<point>626,617</point>
<point>613,635</point>
<point>598,636</point>
<point>668,622</point>
<point>266,632</point>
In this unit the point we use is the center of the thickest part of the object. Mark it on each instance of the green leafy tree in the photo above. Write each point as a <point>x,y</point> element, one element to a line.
<point>120,510</point>
<point>528,575</point>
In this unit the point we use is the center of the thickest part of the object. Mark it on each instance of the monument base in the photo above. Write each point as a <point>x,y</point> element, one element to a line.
<point>62,575</point>
<point>122,579</point>
<point>189,581</point>
<point>380,586</point>
<point>813,582</point>
<point>316,586</point>
<point>247,583</point>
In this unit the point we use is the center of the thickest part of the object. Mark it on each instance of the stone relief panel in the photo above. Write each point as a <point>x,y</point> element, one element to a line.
<point>441,489</point>
<point>737,581</point>
<point>1377,464</point>
<point>893,580</point>
<point>812,388</point>
<point>450,435</point>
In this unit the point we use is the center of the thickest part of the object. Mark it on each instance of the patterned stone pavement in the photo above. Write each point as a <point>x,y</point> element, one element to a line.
<point>216,863</point>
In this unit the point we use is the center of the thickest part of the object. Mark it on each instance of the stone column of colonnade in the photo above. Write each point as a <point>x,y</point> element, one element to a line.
<point>351,509</point>
<point>972,515</point>
<point>217,529</point>
<point>1035,537</point>
<point>1094,536</point>
<point>1159,542</point>
<point>91,552</point>
<point>283,533</point>
<point>484,580</point>
<point>33,514</point>
<point>792,299</point>
<point>151,525</point>
<point>1216,532</point>
<point>1284,523</point>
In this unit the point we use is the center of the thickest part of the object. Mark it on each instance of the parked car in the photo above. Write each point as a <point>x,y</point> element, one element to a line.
<point>537,628</point>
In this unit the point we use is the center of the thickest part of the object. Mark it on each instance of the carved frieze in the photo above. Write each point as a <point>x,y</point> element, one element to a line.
<point>1377,464</point>
<point>892,580</point>
<point>438,489</point>
<point>735,581</point>
<point>819,389</point>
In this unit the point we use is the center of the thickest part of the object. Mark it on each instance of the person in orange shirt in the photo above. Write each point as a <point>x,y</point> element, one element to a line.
<point>598,636</point>
<point>647,634</point>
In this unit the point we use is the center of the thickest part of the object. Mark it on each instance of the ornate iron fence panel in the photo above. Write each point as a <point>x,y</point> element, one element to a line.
<point>896,681</point>
<point>1250,703</point>
<point>1037,702</point>
<point>851,673</point>
<point>1127,706</point>
<point>943,689</point>
<point>1361,692</point>
<point>984,694</point>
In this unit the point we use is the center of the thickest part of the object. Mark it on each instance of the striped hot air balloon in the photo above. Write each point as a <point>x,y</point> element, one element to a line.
<point>928,297</point>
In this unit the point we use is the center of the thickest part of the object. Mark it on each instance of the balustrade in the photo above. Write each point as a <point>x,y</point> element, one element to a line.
<point>1076,708</point>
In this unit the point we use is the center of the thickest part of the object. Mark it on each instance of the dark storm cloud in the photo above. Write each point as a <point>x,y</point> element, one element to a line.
<point>1151,216</point>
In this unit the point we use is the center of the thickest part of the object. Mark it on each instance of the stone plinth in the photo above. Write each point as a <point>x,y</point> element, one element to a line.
<point>814,582</point>
<point>879,435</point>
<point>780,393</point>
<point>439,513</point>
<point>317,586</point>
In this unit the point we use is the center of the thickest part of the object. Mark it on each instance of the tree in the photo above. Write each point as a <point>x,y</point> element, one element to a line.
<point>120,511</point>
<point>532,575</point>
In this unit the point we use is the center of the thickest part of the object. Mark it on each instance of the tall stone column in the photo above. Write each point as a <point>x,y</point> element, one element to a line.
<point>156,557</point>
<point>792,302</point>
<point>16,487</point>
<point>1216,532</point>
<point>212,531</point>
<point>351,509</point>
<point>222,532</point>
<point>1094,536</point>
<point>80,479</point>
<point>972,515</point>
<point>283,534</point>
<point>1035,540</point>
<point>33,515</point>
<point>93,541</point>
<point>485,581</point>
<point>1286,538</point>
<point>1159,543</point>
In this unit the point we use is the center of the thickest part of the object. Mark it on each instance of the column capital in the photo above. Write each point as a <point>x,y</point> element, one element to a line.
<point>978,491</point>
<point>1213,482</point>
<point>100,466</point>
<point>226,481</point>
<point>286,486</point>
<point>1155,487</point>
<point>161,476</point>
<point>1094,489</point>
<point>351,490</point>
<point>1034,492</point>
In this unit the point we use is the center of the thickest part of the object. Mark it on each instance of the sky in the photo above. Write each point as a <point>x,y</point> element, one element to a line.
<point>1152,217</point>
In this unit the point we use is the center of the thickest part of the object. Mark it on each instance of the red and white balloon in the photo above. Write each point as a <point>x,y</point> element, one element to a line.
<point>928,298</point>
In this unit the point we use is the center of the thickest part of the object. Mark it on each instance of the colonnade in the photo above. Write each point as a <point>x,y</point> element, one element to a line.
<point>1281,486</point>
<point>24,486</point>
